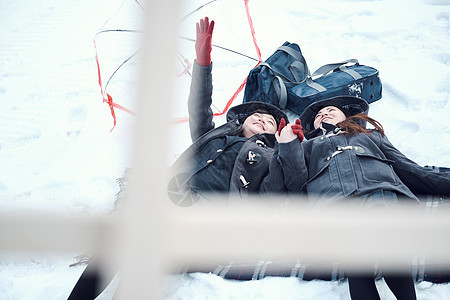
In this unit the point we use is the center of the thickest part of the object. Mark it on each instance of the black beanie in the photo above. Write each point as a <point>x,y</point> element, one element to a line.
<point>349,105</point>
<point>242,111</point>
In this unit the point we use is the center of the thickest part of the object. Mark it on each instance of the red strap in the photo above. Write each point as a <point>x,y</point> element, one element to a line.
<point>258,51</point>
<point>111,107</point>
<point>186,68</point>
<point>108,99</point>
<point>227,106</point>
<point>250,22</point>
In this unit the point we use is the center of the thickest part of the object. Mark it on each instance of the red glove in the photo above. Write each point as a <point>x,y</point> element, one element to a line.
<point>281,126</point>
<point>203,42</point>
<point>298,130</point>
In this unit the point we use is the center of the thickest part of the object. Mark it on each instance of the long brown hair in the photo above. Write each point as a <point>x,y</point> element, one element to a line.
<point>352,125</point>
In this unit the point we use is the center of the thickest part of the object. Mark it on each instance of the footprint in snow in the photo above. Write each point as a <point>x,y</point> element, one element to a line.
<point>397,96</point>
<point>437,2</point>
<point>76,119</point>
<point>443,19</point>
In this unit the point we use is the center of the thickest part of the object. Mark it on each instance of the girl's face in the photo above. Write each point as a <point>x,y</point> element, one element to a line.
<point>329,114</point>
<point>259,123</point>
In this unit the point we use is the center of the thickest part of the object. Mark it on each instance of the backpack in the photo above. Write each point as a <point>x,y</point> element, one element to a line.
<point>284,80</point>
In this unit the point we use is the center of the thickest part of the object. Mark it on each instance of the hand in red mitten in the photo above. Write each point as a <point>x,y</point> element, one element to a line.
<point>298,129</point>
<point>285,133</point>
<point>282,125</point>
<point>203,42</point>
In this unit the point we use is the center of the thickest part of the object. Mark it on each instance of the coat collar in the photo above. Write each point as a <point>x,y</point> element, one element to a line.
<point>324,129</point>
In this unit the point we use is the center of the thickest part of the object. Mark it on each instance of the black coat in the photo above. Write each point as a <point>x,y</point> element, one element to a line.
<point>333,166</point>
<point>220,159</point>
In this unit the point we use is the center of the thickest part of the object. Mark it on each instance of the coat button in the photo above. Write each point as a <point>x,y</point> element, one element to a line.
<point>209,161</point>
<point>219,150</point>
<point>260,143</point>
<point>359,149</point>
<point>253,157</point>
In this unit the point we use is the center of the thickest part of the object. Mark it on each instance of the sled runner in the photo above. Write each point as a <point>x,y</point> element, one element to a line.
<point>421,271</point>
<point>333,272</point>
<point>91,283</point>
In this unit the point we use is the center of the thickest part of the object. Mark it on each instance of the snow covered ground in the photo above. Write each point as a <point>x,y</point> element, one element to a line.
<point>57,152</point>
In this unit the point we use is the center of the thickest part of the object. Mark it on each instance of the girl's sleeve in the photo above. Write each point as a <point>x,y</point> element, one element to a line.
<point>199,102</point>
<point>287,169</point>
<point>415,177</point>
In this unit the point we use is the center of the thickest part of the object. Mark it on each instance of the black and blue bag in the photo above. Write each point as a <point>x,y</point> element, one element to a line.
<point>284,80</point>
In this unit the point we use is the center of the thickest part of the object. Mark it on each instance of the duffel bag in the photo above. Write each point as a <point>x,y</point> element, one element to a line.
<point>285,80</point>
<point>344,78</point>
<point>268,82</point>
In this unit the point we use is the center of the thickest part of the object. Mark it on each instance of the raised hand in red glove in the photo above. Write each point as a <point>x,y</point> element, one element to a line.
<point>203,42</point>
<point>298,129</point>
<point>288,133</point>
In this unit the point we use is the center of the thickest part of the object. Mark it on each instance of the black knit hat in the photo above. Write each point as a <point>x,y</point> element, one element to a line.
<point>349,105</point>
<point>242,111</point>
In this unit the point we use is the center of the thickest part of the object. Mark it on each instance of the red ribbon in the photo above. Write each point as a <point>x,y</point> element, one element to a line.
<point>108,99</point>
<point>227,106</point>
<point>239,89</point>
<point>250,22</point>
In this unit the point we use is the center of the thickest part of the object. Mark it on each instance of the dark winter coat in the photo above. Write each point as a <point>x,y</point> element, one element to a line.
<point>332,166</point>
<point>220,159</point>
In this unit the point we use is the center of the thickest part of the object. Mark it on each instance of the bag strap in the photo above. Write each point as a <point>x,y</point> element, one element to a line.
<point>295,65</point>
<point>325,69</point>
<point>311,83</point>
<point>275,73</point>
<point>294,53</point>
<point>299,63</point>
<point>302,67</point>
<point>281,91</point>
<point>278,81</point>
<point>351,72</point>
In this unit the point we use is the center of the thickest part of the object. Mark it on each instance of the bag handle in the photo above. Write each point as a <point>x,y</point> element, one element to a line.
<point>311,83</point>
<point>292,68</point>
<point>281,91</point>
<point>279,86</point>
<point>302,67</point>
<point>299,63</point>
<point>278,80</point>
<point>294,53</point>
<point>325,69</point>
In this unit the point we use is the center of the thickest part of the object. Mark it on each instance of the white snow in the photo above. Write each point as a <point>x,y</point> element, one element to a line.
<point>57,152</point>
